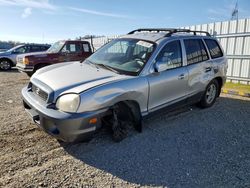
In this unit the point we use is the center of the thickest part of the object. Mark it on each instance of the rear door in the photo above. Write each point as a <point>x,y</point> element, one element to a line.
<point>198,66</point>
<point>168,86</point>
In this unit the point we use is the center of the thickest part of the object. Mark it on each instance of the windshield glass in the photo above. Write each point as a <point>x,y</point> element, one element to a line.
<point>14,48</point>
<point>126,56</point>
<point>56,47</point>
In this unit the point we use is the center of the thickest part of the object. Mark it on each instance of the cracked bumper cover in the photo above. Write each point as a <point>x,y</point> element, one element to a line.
<point>68,127</point>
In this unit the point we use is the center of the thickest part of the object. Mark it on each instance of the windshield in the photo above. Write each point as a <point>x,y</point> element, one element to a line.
<point>14,48</point>
<point>126,56</point>
<point>56,47</point>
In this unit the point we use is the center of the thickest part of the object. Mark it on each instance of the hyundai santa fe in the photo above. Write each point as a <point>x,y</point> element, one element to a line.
<point>126,80</point>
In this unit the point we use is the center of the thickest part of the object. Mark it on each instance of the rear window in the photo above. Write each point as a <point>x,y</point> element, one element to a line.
<point>195,50</point>
<point>214,48</point>
<point>85,47</point>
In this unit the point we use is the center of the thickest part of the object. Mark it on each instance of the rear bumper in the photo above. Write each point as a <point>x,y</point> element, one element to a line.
<point>68,127</point>
<point>24,68</point>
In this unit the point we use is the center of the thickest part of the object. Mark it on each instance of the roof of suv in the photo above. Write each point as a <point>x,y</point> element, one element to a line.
<point>154,34</point>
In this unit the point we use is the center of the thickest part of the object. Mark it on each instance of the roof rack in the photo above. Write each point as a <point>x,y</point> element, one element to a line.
<point>169,30</point>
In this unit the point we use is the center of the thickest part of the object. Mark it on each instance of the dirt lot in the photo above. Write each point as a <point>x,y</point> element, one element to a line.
<point>191,148</point>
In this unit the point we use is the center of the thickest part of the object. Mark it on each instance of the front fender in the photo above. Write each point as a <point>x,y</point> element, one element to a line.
<point>105,96</point>
<point>8,58</point>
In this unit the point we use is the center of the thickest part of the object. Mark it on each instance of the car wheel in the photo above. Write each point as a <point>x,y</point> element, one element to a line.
<point>5,64</point>
<point>210,95</point>
<point>29,73</point>
<point>37,67</point>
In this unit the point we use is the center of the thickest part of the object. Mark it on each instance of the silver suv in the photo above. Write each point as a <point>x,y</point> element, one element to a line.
<point>125,80</point>
<point>8,58</point>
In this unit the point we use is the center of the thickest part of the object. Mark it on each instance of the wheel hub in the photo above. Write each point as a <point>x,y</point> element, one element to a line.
<point>5,65</point>
<point>211,93</point>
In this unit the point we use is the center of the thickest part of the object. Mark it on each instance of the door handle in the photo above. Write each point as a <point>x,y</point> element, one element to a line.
<point>208,69</point>
<point>181,76</point>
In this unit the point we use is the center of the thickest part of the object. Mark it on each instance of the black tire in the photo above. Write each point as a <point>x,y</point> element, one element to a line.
<point>5,64</point>
<point>210,94</point>
<point>30,73</point>
<point>39,66</point>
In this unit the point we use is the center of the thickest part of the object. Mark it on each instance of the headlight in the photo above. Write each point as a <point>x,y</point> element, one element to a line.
<point>25,61</point>
<point>68,102</point>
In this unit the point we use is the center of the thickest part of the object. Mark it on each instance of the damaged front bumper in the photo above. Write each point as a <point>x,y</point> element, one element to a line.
<point>68,127</point>
<point>24,68</point>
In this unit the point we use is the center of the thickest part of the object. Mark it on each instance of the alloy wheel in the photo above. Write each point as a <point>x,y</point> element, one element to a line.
<point>211,93</point>
<point>5,65</point>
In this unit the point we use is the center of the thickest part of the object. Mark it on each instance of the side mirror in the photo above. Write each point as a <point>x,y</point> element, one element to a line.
<point>160,66</point>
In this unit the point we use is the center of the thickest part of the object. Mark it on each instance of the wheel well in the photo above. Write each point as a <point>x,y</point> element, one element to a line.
<point>220,82</point>
<point>131,104</point>
<point>135,112</point>
<point>134,108</point>
<point>40,65</point>
<point>5,58</point>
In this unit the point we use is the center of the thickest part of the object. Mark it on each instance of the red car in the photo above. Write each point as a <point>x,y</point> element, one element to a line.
<point>61,51</point>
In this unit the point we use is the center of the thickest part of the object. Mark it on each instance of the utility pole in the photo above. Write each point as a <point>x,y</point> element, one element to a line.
<point>235,12</point>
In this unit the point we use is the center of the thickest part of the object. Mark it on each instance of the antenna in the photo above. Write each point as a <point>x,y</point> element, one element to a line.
<point>235,12</point>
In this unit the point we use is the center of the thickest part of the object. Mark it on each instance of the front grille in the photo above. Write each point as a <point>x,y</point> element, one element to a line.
<point>37,91</point>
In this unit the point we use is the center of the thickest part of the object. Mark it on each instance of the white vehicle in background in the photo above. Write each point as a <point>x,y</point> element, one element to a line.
<point>8,58</point>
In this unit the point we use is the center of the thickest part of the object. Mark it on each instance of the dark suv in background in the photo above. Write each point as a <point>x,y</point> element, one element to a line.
<point>8,58</point>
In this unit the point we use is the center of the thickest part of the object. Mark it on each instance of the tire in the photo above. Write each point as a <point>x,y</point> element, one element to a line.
<point>210,95</point>
<point>5,64</point>
<point>30,73</point>
<point>39,66</point>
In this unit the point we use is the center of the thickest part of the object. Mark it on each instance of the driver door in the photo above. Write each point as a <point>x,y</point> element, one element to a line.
<point>71,52</point>
<point>170,85</point>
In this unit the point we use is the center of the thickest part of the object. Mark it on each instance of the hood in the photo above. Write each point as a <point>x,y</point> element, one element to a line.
<point>37,54</point>
<point>4,53</point>
<point>74,77</point>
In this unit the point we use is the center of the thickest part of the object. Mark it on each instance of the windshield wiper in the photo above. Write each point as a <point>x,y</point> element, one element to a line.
<point>89,62</point>
<point>107,67</point>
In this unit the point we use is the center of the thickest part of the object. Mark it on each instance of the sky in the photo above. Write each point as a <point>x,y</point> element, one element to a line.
<point>47,21</point>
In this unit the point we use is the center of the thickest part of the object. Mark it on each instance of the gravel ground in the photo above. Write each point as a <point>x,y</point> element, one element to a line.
<point>188,148</point>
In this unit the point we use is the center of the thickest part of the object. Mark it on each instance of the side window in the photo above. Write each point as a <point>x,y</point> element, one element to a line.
<point>213,48</point>
<point>72,48</point>
<point>85,47</point>
<point>21,50</point>
<point>171,55</point>
<point>44,48</point>
<point>195,50</point>
<point>35,49</point>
